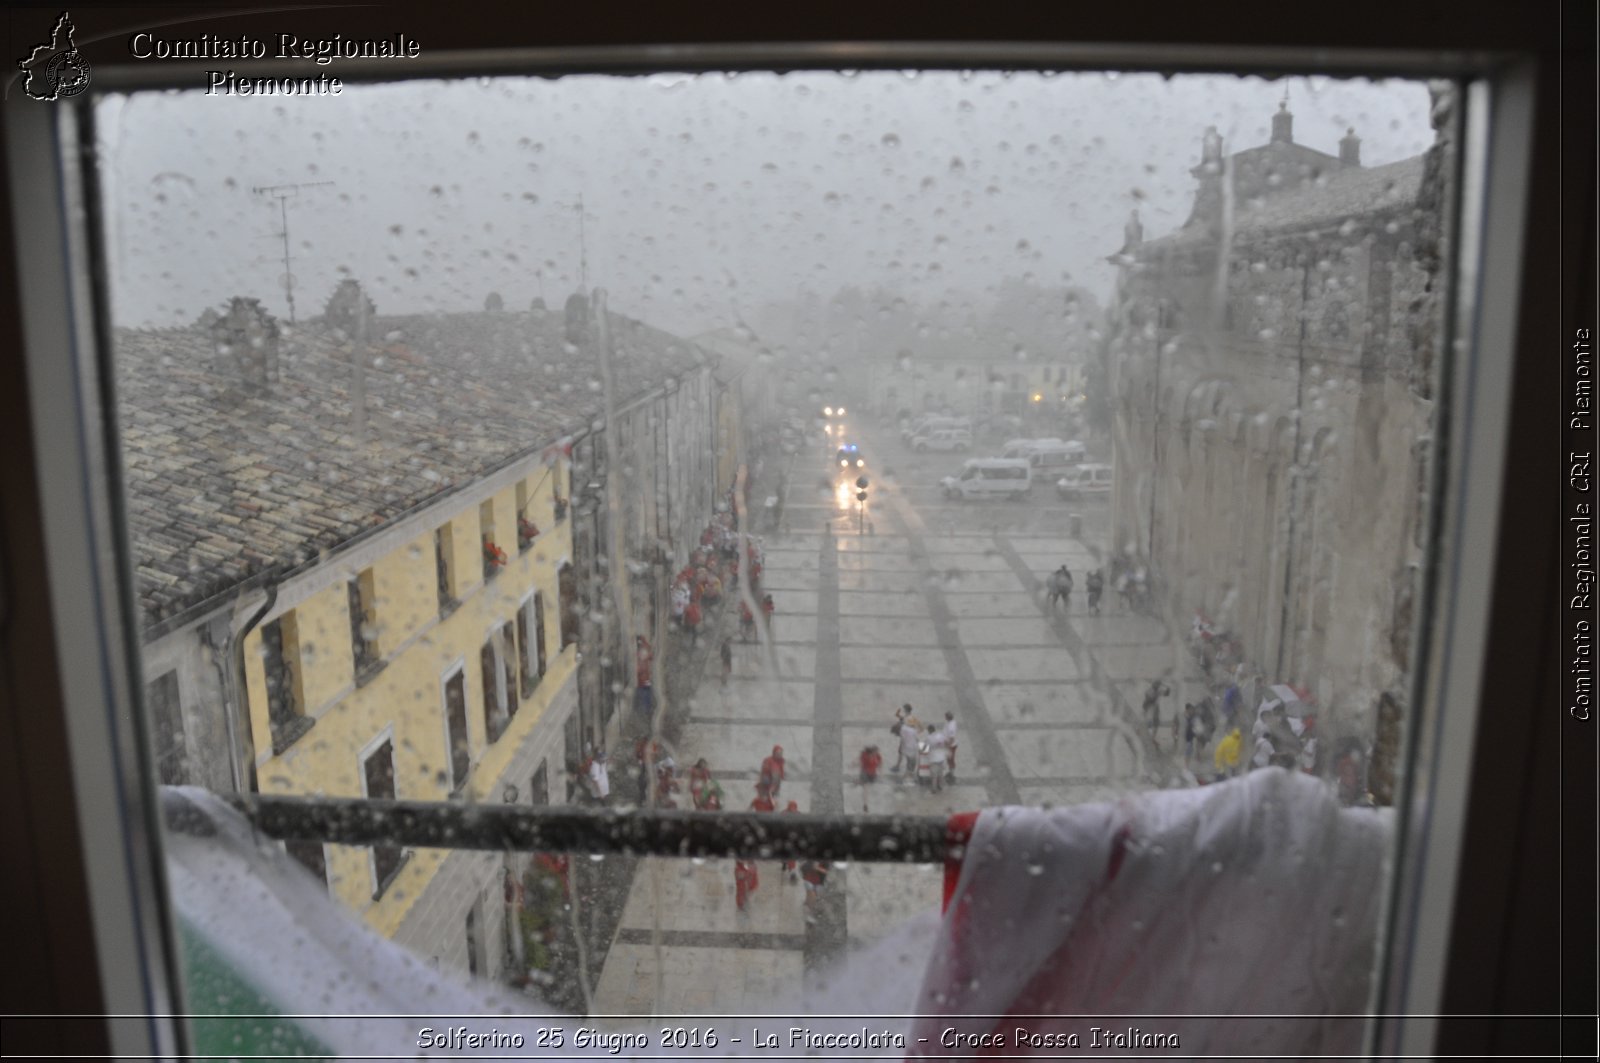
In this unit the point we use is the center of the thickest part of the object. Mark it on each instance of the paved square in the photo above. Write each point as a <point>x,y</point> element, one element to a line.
<point>1088,754</point>
<point>1021,664</point>
<point>1009,603</point>
<point>1029,631</point>
<point>882,896</point>
<point>774,580</point>
<point>890,797</point>
<point>786,559</point>
<point>789,603</point>
<point>791,660</point>
<point>880,581</point>
<point>891,662</point>
<point>1115,627</point>
<point>958,544</point>
<point>1124,662</point>
<point>1078,561</point>
<point>870,631</point>
<point>742,746</point>
<point>700,897</point>
<point>756,700</point>
<point>1045,703</point>
<point>872,603</point>
<point>875,702</point>
<point>698,981</point>
<point>875,545</point>
<point>877,561</point>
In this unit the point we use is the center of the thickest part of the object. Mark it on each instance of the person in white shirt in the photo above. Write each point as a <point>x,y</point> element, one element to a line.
<point>1265,749</point>
<point>599,777</point>
<point>950,745</point>
<point>910,732</point>
<point>938,757</point>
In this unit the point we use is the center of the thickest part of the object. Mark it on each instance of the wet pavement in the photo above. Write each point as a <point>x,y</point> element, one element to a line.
<point>918,600</point>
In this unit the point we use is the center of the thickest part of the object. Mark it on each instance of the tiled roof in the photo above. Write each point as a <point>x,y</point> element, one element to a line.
<point>223,481</point>
<point>1335,197</point>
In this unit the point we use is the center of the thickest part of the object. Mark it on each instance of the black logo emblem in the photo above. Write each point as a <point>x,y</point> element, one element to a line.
<point>56,70</point>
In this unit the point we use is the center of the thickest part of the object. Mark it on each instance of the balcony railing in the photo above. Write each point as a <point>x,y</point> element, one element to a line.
<point>669,832</point>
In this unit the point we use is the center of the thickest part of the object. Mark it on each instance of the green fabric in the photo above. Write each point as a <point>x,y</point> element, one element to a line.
<point>229,1016</point>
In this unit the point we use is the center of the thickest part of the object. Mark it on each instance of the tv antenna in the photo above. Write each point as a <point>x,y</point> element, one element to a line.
<point>282,194</point>
<point>583,250</point>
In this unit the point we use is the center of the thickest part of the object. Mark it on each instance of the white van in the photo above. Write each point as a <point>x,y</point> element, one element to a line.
<point>990,478</point>
<point>942,439</point>
<point>925,424</point>
<point>1051,456</point>
<point>1085,481</point>
<point>1020,448</point>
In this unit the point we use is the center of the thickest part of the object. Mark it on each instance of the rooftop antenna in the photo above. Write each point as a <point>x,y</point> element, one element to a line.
<point>583,250</point>
<point>282,193</point>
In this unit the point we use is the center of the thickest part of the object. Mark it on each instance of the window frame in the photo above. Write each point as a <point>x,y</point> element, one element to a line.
<point>83,559</point>
<point>458,666</point>
<point>380,883</point>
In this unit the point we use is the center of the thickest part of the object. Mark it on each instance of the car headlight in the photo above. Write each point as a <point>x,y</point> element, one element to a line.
<point>841,411</point>
<point>859,463</point>
<point>844,463</point>
<point>828,411</point>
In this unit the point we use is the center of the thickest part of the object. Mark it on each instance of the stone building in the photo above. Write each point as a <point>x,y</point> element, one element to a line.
<point>359,572</point>
<point>1273,370</point>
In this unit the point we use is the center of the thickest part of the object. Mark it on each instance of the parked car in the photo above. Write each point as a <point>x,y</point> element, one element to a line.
<point>990,478</point>
<point>942,439</point>
<point>1085,481</point>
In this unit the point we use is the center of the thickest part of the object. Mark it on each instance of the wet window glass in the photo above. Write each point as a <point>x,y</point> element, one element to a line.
<point>618,434</point>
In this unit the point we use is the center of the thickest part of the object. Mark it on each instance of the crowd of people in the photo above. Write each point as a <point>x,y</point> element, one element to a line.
<point>924,753</point>
<point>713,572</point>
<point>1218,735</point>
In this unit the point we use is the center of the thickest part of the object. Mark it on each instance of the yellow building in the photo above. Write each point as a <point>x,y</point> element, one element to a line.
<point>358,579</point>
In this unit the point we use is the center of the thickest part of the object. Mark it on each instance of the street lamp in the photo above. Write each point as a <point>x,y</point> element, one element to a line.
<point>861,496</point>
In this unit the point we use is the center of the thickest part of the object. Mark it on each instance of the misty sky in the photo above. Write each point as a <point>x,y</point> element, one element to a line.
<point>703,196</point>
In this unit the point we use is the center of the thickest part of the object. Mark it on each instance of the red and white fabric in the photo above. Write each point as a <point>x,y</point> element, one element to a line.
<point>1258,896</point>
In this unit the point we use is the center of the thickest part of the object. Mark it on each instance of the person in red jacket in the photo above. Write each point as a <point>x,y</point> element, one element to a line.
<point>745,880</point>
<point>772,771</point>
<point>699,779</point>
<point>871,761</point>
<point>763,801</point>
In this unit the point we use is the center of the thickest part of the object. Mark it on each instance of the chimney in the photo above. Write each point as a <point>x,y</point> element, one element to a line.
<point>1283,123</point>
<point>1211,150</point>
<point>244,341</point>
<point>1350,149</point>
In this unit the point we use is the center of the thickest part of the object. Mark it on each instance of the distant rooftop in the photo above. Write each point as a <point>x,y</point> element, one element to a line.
<point>1331,197</point>
<point>224,481</point>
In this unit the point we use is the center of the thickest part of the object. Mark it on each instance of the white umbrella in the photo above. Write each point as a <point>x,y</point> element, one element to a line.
<point>1291,700</point>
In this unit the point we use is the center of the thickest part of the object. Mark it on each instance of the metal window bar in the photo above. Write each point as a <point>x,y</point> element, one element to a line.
<point>664,832</point>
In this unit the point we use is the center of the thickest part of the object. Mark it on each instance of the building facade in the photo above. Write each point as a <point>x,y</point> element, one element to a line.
<point>1273,371</point>
<point>365,576</point>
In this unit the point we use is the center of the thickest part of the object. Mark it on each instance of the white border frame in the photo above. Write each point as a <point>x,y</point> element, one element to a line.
<point>119,824</point>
